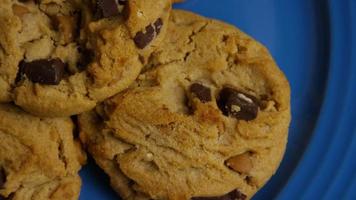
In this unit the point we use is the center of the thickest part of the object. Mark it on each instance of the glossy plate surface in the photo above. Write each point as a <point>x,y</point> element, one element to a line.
<point>314,43</point>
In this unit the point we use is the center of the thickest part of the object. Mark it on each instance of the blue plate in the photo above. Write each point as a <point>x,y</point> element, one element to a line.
<point>314,43</point>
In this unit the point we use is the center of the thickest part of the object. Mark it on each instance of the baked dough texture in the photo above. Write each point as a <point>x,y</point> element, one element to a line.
<point>208,117</point>
<point>39,159</point>
<point>60,58</point>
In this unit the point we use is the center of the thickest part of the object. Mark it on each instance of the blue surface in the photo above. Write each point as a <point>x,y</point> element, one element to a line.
<point>314,43</point>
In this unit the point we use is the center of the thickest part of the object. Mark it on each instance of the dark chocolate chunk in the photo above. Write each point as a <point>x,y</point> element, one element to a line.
<point>48,72</point>
<point>142,39</point>
<point>2,177</point>
<point>233,195</point>
<point>79,24</point>
<point>86,58</point>
<point>122,2</point>
<point>158,25</point>
<point>107,8</point>
<point>238,104</point>
<point>202,92</point>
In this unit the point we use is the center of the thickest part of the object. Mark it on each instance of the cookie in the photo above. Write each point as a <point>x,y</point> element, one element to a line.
<point>207,119</point>
<point>60,58</point>
<point>123,44</point>
<point>38,157</point>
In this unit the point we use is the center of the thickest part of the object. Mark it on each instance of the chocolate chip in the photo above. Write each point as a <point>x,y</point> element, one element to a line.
<point>79,23</point>
<point>107,8</point>
<point>233,195</point>
<point>142,39</point>
<point>158,25</point>
<point>86,58</point>
<point>202,92</point>
<point>237,104</point>
<point>49,72</point>
<point>122,2</point>
<point>2,177</point>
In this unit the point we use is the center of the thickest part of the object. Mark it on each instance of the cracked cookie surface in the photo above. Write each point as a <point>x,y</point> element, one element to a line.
<point>207,119</point>
<point>39,159</point>
<point>60,58</point>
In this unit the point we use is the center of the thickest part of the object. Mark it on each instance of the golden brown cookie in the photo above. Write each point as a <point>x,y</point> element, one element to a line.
<point>207,119</point>
<point>60,58</point>
<point>39,159</point>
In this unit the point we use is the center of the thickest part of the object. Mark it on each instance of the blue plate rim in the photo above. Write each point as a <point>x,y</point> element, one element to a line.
<point>318,174</point>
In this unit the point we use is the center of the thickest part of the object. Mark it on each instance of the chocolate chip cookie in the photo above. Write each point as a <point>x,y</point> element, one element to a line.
<point>60,58</point>
<point>123,44</point>
<point>39,159</point>
<point>207,119</point>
